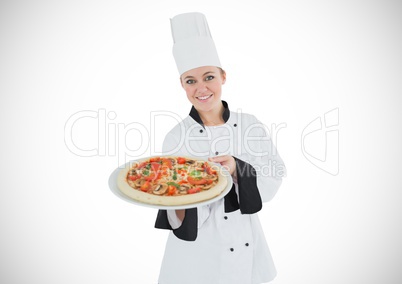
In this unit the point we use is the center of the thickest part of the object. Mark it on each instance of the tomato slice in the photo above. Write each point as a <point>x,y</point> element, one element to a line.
<point>153,176</point>
<point>193,190</point>
<point>210,171</point>
<point>195,181</point>
<point>141,165</point>
<point>171,190</point>
<point>181,160</point>
<point>133,178</point>
<point>155,166</point>
<point>167,163</point>
<point>146,186</point>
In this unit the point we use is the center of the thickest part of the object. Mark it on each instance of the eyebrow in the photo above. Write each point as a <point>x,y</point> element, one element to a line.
<point>202,75</point>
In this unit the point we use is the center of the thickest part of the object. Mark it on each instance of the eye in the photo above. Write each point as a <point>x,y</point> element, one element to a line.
<point>209,78</point>
<point>190,81</point>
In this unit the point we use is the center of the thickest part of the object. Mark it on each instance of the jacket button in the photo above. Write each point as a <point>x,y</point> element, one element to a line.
<point>235,125</point>
<point>201,131</point>
<point>231,249</point>
<point>216,153</point>
<point>247,244</point>
<point>226,217</point>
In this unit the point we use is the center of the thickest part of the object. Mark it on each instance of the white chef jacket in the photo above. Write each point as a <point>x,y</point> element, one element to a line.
<point>221,243</point>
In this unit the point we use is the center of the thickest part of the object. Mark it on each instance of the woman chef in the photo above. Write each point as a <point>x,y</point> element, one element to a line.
<point>220,243</point>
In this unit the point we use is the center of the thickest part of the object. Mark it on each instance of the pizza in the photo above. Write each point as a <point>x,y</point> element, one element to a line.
<point>171,180</point>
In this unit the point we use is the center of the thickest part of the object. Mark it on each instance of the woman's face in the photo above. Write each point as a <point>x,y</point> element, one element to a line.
<point>203,86</point>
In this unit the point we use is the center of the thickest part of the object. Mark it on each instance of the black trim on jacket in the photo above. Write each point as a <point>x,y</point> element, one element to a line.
<point>249,195</point>
<point>196,116</point>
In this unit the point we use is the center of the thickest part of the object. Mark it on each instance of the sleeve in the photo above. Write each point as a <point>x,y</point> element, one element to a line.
<point>250,201</point>
<point>260,169</point>
<point>188,229</point>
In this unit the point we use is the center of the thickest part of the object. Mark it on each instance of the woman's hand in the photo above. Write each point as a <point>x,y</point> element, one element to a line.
<point>226,161</point>
<point>181,214</point>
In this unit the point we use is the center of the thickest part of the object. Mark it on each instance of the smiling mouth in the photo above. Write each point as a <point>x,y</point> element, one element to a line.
<point>203,98</point>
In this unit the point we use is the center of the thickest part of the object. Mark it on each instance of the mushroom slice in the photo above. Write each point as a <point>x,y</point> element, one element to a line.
<point>138,183</point>
<point>173,161</point>
<point>190,162</point>
<point>212,177</point>
<point>207,186</point>
<point>183,188</point>
<point>160,189</point>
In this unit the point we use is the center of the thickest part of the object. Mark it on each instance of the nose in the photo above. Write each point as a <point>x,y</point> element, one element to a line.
<point>201,88</point>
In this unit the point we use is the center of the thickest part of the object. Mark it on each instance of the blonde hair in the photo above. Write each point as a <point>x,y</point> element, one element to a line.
<point>223,72</point>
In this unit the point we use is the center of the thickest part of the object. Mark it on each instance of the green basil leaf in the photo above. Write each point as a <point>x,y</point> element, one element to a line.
<point>195,173</point>
<point>174,184</point>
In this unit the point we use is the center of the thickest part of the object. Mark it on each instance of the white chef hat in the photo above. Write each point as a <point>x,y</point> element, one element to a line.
<point>193,45</point>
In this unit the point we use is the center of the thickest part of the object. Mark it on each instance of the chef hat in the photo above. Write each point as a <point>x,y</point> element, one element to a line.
<point>193,45</point>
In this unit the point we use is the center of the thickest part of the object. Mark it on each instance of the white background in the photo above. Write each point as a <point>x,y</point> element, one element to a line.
<point>286,61</point>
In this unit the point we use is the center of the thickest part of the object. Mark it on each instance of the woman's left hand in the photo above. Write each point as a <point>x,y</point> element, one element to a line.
<point>226,161</point>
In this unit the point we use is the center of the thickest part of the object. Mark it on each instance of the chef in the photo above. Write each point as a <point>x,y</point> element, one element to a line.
<point>223,242</point>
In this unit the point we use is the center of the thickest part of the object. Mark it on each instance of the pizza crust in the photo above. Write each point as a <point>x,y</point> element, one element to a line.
<point>177,200</point>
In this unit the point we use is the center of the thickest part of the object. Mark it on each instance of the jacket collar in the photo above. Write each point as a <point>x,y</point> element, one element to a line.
<point>195,115</point>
